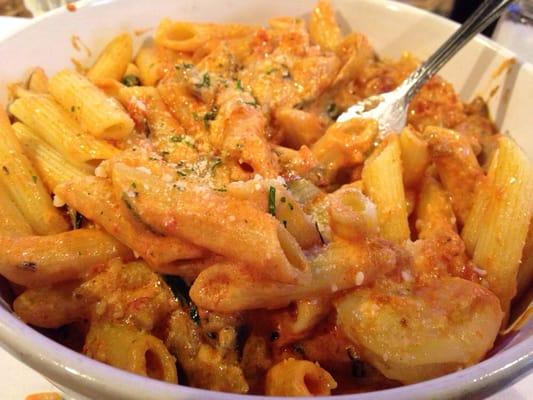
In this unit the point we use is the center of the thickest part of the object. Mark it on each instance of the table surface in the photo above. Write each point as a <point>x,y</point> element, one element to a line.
<point>18,380</point>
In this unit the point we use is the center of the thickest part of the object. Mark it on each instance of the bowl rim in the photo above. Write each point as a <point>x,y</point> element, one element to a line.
<point>87,376</point>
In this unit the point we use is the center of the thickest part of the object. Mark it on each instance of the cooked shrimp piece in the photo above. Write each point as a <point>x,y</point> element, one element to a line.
<point>414,333</point>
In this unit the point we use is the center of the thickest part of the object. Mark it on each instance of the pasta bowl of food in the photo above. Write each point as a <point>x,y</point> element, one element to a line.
<point>181,217</point>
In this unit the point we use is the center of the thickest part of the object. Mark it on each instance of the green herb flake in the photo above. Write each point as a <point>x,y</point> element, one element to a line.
<point>319,233</point>
<point>5,169</point>
<point>253,103</point>
<point>186,140</point>
<point>196,116</point>
<point>134,185</point>
<point>184,66</point>
<point>272,201</point>
<point>217,162</point>
<point>285,224</point>
<point>286,72</point>
<point>180,289</point>
<point>332,111</point>
<point>239,85</point>
<point>221,189</point>
<point>283,199</point>
<point>206,81</point>
<point>76,219</point>
<point>210,116</point>
<point>291,207</point>
<point>131,80</point>
<point>34,179</point>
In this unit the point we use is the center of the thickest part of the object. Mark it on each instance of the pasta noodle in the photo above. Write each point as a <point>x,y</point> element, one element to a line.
<point>195,209</point>
<point>98,114</point>
<point>113,60</point>
<point>24,185</point>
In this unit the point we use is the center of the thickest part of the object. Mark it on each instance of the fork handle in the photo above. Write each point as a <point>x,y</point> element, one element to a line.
<point>486,13</point>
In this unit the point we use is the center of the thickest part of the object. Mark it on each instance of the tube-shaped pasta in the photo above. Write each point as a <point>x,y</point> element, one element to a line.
<point>299,127</point>
<point>24,186</point>
<point>232,287</point>
<point>457,167</point>
<point>417,333</point>
<point>166,134</point>
<point>52,167</point>
<point>100,115</point>
<point>50,307</point>
<point>28,260</point>
<point>242,130</point>
<point>189,36</point>
<point>434,210</point>
<point>38,81</point>
<point>153,63</point>
<point>415,156</point>
<point>228,226</point>
<point>323,27</point>
<point>58,127</point>
<point>114,59</point>
<point>94,198</point>
<point>505,196</point>
<point>12,221</point>
<point>125,347</point>
<point>383,182</point>
<point>344,145</point>
<point>271,194</point>
<point>351,214</point>
<point>292,377</point>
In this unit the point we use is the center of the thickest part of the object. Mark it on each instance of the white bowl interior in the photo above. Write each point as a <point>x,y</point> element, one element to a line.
<point>392,28</point>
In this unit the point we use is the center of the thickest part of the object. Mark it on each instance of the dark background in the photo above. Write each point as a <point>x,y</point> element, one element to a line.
<point>463,9</point>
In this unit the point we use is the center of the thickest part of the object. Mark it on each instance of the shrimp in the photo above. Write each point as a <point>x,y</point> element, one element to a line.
<point>412,333</point>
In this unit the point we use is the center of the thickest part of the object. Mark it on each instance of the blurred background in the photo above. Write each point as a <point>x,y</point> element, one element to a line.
<point>514,29</point>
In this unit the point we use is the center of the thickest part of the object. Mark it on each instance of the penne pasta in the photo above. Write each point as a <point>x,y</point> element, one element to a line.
<point>383,182</point>
<point>38,81</point>
<point>27,260</point>
<point>24,185</point>
<point>299,127</point>
<point>12,221</point>
<point>58,128</point>
<point>113,60</point>
<point>125,347</point>
<point>506,195</point>
<point>98,114</point>
<point>293,377</point>
<point>344,145</point>
<point>415,156</point>
<point>323,27</point>
<point>94,198</point>
<point>434,212</point>
<point>457,167</point>
<point>271,196</point>
<point>153,63</point>
<point>48,162</point>
<point>232,287</point>
<point>189,36</point>
<point>51,307</point>
<point>230,227</point>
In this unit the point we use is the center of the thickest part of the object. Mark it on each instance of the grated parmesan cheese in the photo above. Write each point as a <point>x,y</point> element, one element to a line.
<point>144,169</point>
<point>58,201</point>
<point>359,278</point>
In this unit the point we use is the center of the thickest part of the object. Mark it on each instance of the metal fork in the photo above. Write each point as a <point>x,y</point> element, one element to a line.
<point>390,109</point>
<point>38,7</point>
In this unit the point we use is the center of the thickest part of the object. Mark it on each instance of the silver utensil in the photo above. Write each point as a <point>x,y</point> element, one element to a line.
<point>390,109</point>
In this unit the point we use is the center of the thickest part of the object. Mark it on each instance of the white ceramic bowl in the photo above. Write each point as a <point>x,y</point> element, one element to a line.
<point>392,28</point>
